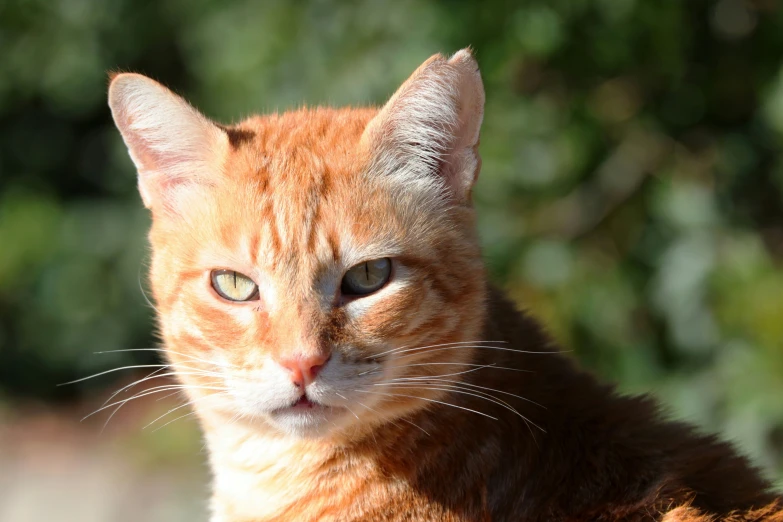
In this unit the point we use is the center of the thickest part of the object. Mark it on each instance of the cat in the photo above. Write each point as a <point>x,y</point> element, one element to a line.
<point>323,300</point>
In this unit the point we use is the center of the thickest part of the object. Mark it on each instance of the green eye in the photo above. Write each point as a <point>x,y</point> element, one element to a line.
<point>366,278</point>
<point>234,286</point>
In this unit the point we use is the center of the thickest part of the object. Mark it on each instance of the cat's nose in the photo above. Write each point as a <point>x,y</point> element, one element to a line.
<point>304,369</point>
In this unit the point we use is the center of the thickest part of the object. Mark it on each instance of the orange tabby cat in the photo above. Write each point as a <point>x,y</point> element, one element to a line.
<point>322,296</point>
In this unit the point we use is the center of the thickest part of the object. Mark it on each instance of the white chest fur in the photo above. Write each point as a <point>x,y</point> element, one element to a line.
<point>260,476</point>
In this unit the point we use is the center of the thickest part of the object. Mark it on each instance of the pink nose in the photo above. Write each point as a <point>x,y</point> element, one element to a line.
<point>304,369</point>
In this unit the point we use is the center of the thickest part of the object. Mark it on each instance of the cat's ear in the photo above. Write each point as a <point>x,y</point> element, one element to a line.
<point>430,127</point>
<point>172,145</point>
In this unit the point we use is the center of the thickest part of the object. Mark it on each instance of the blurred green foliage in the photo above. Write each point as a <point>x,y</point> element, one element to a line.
<point>631,194</point>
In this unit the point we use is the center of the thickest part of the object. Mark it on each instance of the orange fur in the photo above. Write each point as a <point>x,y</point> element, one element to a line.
<point>295,200</point>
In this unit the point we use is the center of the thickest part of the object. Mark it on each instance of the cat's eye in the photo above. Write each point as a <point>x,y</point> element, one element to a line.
<point>366,278</point>
<point>234,286</point>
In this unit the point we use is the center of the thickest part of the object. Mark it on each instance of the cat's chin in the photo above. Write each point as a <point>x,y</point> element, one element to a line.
<point>307,419</point>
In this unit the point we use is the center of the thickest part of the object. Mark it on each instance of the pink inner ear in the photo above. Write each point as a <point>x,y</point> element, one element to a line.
<point>170,142</point>
<point>430,127</point>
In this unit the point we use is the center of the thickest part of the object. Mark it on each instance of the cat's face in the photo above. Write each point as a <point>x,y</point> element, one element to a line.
<point>308,267</point>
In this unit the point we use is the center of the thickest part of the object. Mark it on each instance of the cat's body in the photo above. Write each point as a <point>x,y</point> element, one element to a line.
<point>322,298</point>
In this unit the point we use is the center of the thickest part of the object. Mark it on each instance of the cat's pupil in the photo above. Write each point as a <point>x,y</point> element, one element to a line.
<point>366,278</point>
<point>234,286</point>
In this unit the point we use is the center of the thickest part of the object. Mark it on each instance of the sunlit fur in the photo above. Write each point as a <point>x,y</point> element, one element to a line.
<point>293,201</point>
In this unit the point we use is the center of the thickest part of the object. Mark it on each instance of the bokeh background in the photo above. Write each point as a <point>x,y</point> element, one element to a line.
<point>631,196</point>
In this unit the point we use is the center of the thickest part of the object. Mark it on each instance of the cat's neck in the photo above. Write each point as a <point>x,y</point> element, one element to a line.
<point>261,474</point>
<point>258,474</point>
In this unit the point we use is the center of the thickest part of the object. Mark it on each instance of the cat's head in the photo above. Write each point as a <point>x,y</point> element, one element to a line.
<point>309,266</point>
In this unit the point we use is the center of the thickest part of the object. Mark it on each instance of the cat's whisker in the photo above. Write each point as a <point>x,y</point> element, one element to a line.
<point>162,350</point>
<point>474,393</point>
<point>195,371</point>
<point>122,350</point>
<point>191,358</point>
<point>182,416</point>
<point>374,411</point>
<point>151,375</point>
<point>376,355</point>
<point>438,363</point>
<point>176,392</point>
<point>173,420</point>
<point>402,349</point>
<point>435,347</point>
<point>486,397</point>
<point>189,403</point>
<point>131,367</point>
<point>360,403</point>
<point>425,379</point>
<point>138,396</point>
<point>458,373</point>
<point>170,411</point>
<point>155,375</point>
<point>428,400</point>
<point>457,389</point>
<point>394,421</point>
<point>158,389</point>
<point>144,293</point>
<point>477,347</point>
<point>348,407</point>
<point>377,370</point>
<point>213,383</point>
<point>450,388</point>
<point>492,365</point>
<point>408,348</point>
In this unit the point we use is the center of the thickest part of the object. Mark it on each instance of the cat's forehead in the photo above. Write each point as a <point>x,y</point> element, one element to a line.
<point>299,145</point>
<point>299,196</point>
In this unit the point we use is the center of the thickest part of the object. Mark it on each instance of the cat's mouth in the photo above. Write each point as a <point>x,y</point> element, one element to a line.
<point>304,403</point>
<point>306,417</point>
